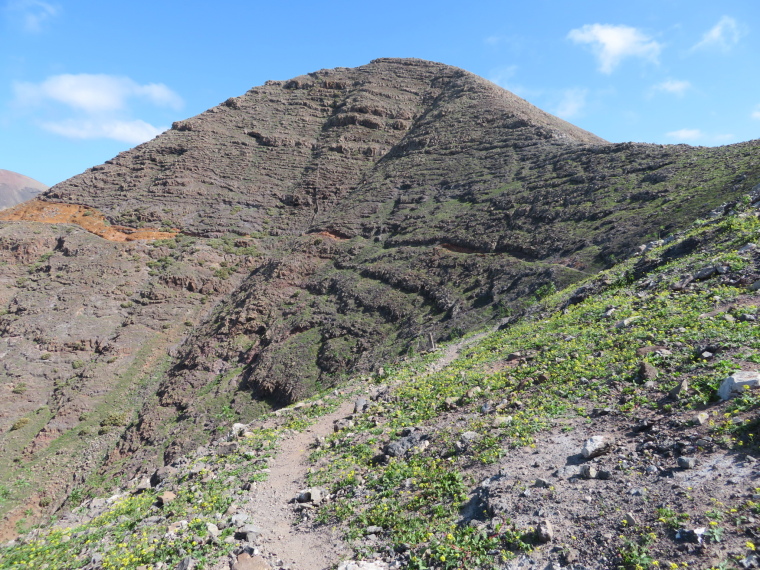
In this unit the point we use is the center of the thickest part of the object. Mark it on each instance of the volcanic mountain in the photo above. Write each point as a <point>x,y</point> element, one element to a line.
<point>16,188</point>
<point>311,230</point>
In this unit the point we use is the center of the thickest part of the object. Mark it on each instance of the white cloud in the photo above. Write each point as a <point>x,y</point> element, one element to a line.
<point>572,103</point>
<point>31,14</point>
<point>89,106</point>
<point>698,136</point>
<point>723,36</point>
<point>132,132</point>
<point>674,86</point>
<point>94,93</point>
<point>502,75</point>
<point>685,134</point>
<point>612,44</point>
<point>756,113</point>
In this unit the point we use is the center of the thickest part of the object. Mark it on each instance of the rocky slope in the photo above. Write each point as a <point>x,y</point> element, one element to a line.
<point>16,188</point>
<point>328,225</point>
<point>591,433</point>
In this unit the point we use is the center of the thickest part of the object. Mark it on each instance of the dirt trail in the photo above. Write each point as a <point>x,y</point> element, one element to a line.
<point>271,510</point>
<point>452,351</point>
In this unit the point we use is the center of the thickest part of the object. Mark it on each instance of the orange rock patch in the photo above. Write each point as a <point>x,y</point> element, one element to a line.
<point>84,216</point>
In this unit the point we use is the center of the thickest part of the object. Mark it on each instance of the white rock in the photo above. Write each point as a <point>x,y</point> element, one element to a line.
<point>595,446</point>
<point>735,384</point>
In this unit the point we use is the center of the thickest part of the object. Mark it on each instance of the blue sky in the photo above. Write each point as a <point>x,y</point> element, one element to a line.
<point>81,81</point>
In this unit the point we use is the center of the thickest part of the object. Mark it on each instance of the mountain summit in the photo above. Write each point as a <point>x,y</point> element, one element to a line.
<point>300,147</point>
<point>312,231</point>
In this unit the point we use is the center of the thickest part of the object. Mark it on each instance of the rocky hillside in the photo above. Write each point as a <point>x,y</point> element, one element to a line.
<point>16,188</point>
<point>311,230</point>
<point>614,425</point>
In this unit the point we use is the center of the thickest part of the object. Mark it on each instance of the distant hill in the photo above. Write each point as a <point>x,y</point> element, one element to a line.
<point>16,188</point>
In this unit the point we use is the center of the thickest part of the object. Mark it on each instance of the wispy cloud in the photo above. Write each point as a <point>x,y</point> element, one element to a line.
<point>612,44</point>
<point>572,103</point>
<point>699,136</point>
<point>756,113</point>
<point>685,135</point>
<point>505,77</point>
<point>102,105</point>
<point>31,15</point>
<point>132,132</point>
<point>673,86</point>
<point>502,75</point>
<point>722,36</point>
<point>94,93</point>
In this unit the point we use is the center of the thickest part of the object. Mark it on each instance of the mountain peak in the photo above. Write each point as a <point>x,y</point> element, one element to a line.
<point>297,147</point>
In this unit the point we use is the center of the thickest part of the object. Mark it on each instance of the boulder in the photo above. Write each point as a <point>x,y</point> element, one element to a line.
<point>738,382</point>
<point>596,446</point>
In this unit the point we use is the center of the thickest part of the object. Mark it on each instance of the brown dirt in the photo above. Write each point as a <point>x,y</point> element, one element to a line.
<point>313,549</point>
<point>88,218</point>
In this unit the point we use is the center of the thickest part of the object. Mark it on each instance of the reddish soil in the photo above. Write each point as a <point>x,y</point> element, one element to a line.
<point>83,216</point>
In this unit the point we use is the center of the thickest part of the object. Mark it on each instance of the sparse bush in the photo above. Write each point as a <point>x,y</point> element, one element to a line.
<point>114,419</point>
<point>20,423</point>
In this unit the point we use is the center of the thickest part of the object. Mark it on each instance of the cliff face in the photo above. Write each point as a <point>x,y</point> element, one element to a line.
<point>328,223</point>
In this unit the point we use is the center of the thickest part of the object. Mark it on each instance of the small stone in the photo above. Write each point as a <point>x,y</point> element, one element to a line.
<point>589,472</point>
<point>630,519</point>
<point>450,403</point>
<point>501,421</point>
<point>702,418</point>
<point>625,323</point>
<point>542,483</point>
<point>143,485</point>
<point>755,286</point>
<point>239,519</point>
<point>227,448</point>
<point>373,530</point>
<point>249,533</point>
<point>738,382</point>
<point>545,531</point>
<point>474,391</point>
<point>166,497</point>
<point>247,562</point>
<point>187,563</point>
<point>596,446</point>
<point>680,389</point>
<point>470,436</point>
<point>360,405</point>
<point>212,529</point>
<point>647,371</point>
<point>687,462</point>
<point>311,495</point>
<point>705,272</point>
<point>162,474</point>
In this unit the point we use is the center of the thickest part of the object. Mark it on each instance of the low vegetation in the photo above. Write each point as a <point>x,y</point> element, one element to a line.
<point>644,347</point>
